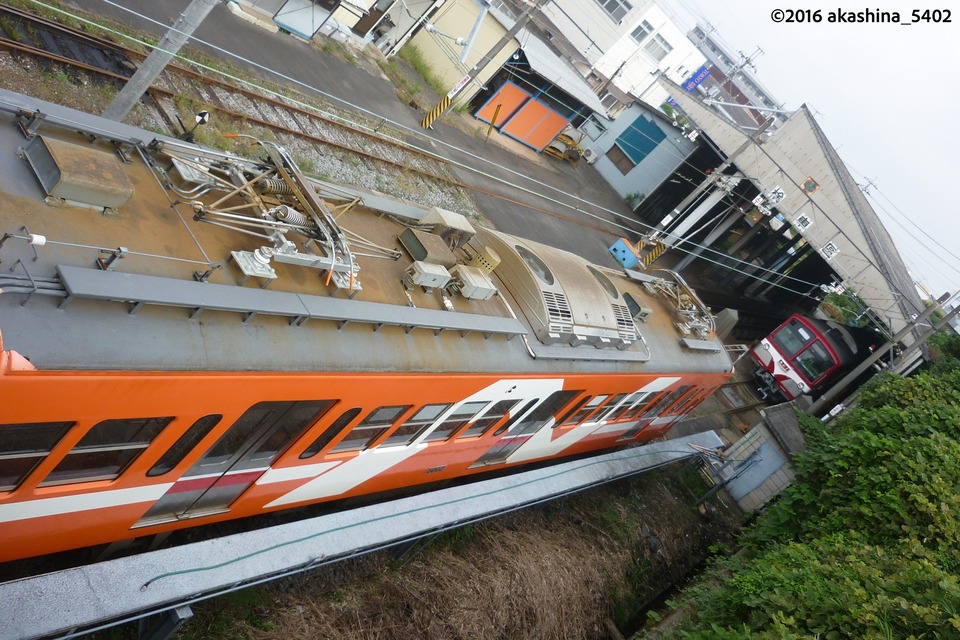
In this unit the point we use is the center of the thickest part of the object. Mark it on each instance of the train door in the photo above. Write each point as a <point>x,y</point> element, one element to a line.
<point>650,413</point>
<point>533,422</point>
<point>236,460</point>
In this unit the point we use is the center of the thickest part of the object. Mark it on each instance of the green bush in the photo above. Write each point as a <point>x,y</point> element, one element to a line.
<point>866,543</point>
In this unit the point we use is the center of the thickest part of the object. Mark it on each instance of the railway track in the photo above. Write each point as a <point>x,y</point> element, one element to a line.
<point>325,142</point>
<point>307,130</point>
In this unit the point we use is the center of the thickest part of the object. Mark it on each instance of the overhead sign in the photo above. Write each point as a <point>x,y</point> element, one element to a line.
<point>698,76</point>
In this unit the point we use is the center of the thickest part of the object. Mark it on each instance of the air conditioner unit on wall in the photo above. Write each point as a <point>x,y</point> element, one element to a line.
<point>590,156</point>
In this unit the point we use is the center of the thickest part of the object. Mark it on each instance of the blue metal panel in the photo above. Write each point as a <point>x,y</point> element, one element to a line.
<point>762,464</point>
<point>640,138</point>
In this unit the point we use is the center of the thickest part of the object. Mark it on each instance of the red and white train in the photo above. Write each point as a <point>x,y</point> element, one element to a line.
<point>192,336</point>
<point>804,356</point>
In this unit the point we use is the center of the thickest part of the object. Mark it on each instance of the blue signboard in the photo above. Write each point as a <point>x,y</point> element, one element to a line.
<point>673,103</point>
<point>698,76</point>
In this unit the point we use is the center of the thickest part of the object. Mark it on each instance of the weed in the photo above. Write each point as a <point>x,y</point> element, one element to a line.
<point>10,28</point>
<point>415,58</point>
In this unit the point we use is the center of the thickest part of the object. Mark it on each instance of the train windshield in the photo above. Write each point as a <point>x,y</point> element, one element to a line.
<point>793,338</point>
<point>814,361</point>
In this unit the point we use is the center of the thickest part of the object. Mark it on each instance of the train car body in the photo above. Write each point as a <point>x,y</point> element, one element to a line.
<point>190,336</point>
<point>804,356</point>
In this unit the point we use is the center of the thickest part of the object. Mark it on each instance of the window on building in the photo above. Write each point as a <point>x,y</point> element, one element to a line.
<point>107,449</point>
<point>616,9</point>
<point>371,428</point>
<point>658,47</point>
<point>643,30</point>
<point>593,127</point>
<point>620,160</point>
<point>409,430</point>
<point>489,419</point>
<point>23,446</point>
<point>609,100</point>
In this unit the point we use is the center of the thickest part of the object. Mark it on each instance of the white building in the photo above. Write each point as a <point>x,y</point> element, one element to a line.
<point>627,41</point>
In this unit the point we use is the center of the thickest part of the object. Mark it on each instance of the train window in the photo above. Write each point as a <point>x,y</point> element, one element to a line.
<point>23,446</point>
<point>106,450</point>
<point>610,408</point>
<point>683,397</point>
<point>665,403</point>
<point>579,415</point>
<point>516,416</point>
<point>654,409</point>
<point>258,436</point>
<point>640,404</point>
<point>792,338</point>
<point>414,426</point>
<point>294,420</point>
<point>456,420</point>
<point>185,444</point>
<point>370,428</point>
<point>621,411</point>
<point>530,423</point>
<point>545,412</point>
<point>330,433</point>
<point>563,419</point>
<point>489,419</point>
<point>815,361</point>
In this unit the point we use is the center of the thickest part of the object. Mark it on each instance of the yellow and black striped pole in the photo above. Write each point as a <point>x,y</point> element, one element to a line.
<point>437,111</point>
<point>658,250</point>
<point>447,100</point>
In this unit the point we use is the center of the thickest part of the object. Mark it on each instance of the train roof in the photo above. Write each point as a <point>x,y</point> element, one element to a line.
<point>124,250</point>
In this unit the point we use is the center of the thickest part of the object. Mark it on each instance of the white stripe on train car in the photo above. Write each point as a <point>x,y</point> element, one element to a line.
<point>543,444</point>
<point>296,473</point>
<point>371,462</point>
<point>81,502</point>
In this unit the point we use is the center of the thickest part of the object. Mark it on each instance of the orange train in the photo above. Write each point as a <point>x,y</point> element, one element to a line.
<point>193,336</point>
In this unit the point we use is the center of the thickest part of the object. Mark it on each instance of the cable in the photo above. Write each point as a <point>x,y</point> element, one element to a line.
<point>402,127</point>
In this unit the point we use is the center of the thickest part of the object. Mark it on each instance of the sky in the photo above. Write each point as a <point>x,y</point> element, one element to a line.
<point>888,98</point>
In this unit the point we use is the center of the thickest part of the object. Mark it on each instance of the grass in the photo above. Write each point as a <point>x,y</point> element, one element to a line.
<point>338,50</point>
<point>414,57</point>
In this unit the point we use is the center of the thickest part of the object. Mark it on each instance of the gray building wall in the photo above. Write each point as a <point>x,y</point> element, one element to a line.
<point>654,168</point>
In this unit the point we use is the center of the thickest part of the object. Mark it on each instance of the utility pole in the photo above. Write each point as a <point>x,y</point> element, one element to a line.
<point>155,63</point>
<point>711,179</point>
<point>447,100</point>
<point>833,391</point>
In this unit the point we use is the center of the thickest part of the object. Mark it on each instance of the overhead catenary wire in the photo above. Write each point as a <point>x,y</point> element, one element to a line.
<point>631,227</point>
